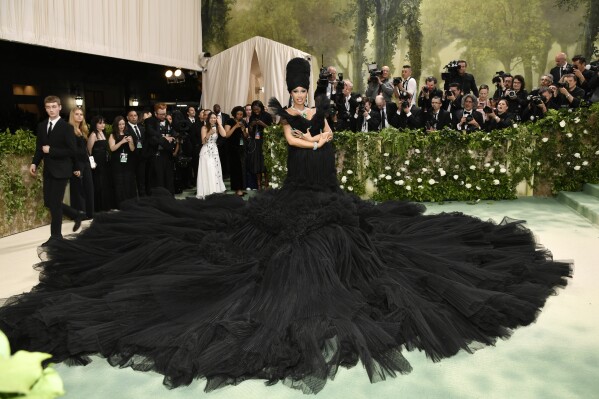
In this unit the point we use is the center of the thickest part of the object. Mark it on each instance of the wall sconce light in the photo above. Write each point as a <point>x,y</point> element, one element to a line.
<point>79,101</point>
<point>135,102</point>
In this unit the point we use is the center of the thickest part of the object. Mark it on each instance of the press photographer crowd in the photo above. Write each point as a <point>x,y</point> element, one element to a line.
<point>458,103</point>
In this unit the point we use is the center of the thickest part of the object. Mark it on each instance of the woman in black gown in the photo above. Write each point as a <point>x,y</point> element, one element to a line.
<point>236,136</point>
<point>285,287</point>
<point>259,120</point>
<point>97,146</point>
<point>121,161</point>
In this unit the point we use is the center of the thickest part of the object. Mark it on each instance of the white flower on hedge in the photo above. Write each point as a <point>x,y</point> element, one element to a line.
<point>569,135</point>
<point>424,169</point>
<point>417,151</point>
<point>496,182</point>
<point>455,177</point>
<point>400,183</point>
<point>496,163</point>
<point>341,186</point>
<point>472,167</point>
<point>559,155</point>
<point>585,131</point>
<point>407,162</point>
<point>461,182</point>
<point>491,170</point>
<point>477,187</point>
<point>545,139</point>
<point>376,181</point>
<point>274,185</point>
<point>538,164</point>
<point>576,155</point>
<point>567,163</point>
<point>387,167</point>
<point>468,185</point>
<point>562,123</point>
<point>396,182</point>
<point>274,178</point>
<point>442,172</point>
<point>419,180</point>
<point>576,120</point>
<point>387,177</point>
<point>431,181</point>
<point>350,188</point>
<point>420,187</point>
<point>487,165</point>
<point>409,188</point>
<point>402,169</point>
<point>515,125</point>
<point>502,170</point>
<point>344,179</point>
<point>470,152</point>
<point>585,163</point>
<point>382,176</point>
<point>597,152</point>
<point>577,167</point>
<point>349,172</point>
<point>438,160</point>
<point>397,174</point>
<point>386,154</point>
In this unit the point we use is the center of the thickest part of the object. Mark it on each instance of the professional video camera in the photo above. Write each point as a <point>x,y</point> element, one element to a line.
<point>324,74</point>
<point>452,70</point>
<point>181,126</point>
<point>340,84</point>
<point>374,72</point>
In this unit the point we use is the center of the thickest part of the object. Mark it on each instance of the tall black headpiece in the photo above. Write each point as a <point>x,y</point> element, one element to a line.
<point>298,74</point>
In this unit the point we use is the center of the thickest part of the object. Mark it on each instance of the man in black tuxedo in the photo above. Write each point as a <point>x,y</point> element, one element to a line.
<point>346,107</point>
<point>453,98</point>
<point>561,67</point>
<point>56,146</point>
<point>195,138</point>
<point>437,118</point>
<point>221,142</point>
<point>387,112</point>
<point>163,145</point>
<point>468,118</point>
<point>142,153</point>
<point>408,114</point>
<point>369,121</point>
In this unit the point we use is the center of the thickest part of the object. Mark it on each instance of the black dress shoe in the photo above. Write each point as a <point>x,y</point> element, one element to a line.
<point>78,220</point>
<point>50,241</point>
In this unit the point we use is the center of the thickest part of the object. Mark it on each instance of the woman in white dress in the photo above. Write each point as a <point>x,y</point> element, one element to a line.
<point>210,174</point>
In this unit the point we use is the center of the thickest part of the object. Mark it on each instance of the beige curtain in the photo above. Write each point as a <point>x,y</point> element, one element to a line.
<point>235,76</point>
<point>158,32</point>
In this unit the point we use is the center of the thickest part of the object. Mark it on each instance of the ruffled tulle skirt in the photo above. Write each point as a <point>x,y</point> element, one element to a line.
<point>285,287</point>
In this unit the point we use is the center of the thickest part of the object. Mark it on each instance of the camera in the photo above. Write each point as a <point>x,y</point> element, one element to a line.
<point>340,83</point>
<point>396,80</point>
<point>536,100</point>
<point>568,69</point>
<point>332,108</point>
<point>360,110</point>
<point>488,110</point>
<point>561,84</point>
<point>453,68</point>
<point>425,89</point>
<point>469,118</point>
<point>448,93</point>
<point>594,66</point>
<point>324,74</point>
<point>498,77</point>
<point>511,94</point>
<point>405,104</point>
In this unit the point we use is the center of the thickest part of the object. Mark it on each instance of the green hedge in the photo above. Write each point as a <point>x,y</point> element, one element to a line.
<point>558,153</point>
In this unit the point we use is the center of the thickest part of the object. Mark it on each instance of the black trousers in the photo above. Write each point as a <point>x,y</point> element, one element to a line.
<point>53,194</point>
<point>82,192</point>
<point>143,171</point>
<point>164,171</point>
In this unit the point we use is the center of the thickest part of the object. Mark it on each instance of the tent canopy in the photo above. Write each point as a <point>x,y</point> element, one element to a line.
<point>251,70</point>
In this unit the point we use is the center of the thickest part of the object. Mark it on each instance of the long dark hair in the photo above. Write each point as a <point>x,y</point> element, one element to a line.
<point>207,121</point>
<point>115,125</point>
<point>95,120</point>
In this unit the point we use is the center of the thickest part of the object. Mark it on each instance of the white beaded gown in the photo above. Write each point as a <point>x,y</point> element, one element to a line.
<point>210,174</point>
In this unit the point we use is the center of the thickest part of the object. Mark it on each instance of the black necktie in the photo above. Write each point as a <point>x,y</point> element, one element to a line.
<point>49,128</point>
<point>382,118</point>
<point>137,132</point>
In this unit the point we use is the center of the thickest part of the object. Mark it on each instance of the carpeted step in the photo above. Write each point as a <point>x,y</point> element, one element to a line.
<point>591,189</point>
<point>585,204</point>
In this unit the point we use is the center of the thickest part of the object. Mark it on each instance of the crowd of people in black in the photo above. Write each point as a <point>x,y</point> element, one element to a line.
<point>459,104</point>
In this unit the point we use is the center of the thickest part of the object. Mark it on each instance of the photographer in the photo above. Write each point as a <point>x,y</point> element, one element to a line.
<point>163,145</point>
<point>499,118</point>
<point>365,120</point>
<point>408,84</point>
<point>428,91</point>
<point>387,113</point>
<point>467,118</point>
<point>437,118</point>
<point>346,107</point>
<point>517,96</point>
<point>539,104</point>
<point>544,82</point>
<point>503,83</point>
<point>327,83</point>
<point>236,133</point>
<point>379,84</point>
<point>183,152</point>
<point>594,82</point>
<point>583,75</point>
<point>570,96</point>
<point>408,115</point>
<point>452,98</point>
<point>561,67</point>
<point>459,75</point>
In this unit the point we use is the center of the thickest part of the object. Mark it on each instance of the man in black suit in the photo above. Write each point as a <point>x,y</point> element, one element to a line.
<point>163,145</point>
<point>561,67</point>
<point>56,146</point>
<point>346,107</point>
<point>195,138</point>
<point>453,98</point>
<point>327,83</point>
<point>466,80</point>
<point>468,118</point>
<point>387,112</point>
<point>408,114</point>
<point>369,121</point>
<point>142,153</point>
<point>437,118</point>
<point>221,142</point>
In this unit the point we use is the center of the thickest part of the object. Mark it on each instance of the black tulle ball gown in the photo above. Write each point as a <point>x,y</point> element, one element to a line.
<point>287,286</point>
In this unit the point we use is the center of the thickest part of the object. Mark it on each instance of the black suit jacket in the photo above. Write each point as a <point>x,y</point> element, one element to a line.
<point>372,123</point>
<point>414,121</point>
<point>390,113</point>
<point>195,136</point>
<point>60,162</point>
<point>558,72</point>
<point>345,118</point>
<point>155,136</point>
<point>145,151</point>
<point>457,117</point>
<point>443,120</point>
